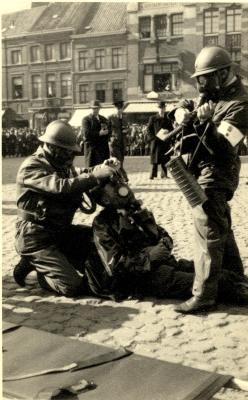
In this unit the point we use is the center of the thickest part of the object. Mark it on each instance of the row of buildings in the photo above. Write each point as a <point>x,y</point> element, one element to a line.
<point>57,56</point>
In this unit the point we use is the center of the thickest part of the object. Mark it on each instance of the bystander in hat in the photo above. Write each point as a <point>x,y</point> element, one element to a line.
<point>95,104</point>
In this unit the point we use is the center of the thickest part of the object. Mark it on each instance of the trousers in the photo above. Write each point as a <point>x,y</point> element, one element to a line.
<point>215,246</point>
<point>60,265</point>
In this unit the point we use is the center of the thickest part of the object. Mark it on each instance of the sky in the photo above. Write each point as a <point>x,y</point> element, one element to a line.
<point>14,5</point>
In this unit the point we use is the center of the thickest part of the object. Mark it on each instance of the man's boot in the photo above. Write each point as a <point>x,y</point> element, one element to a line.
<point>21,270</point>
<point>194,305</point>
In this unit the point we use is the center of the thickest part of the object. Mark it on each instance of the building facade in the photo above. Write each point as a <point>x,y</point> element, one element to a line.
<point>59,56</point>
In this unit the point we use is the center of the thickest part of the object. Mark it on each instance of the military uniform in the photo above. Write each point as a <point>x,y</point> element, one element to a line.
<point>47,198</point>
<point>132,257</point>
<point>218,174</point>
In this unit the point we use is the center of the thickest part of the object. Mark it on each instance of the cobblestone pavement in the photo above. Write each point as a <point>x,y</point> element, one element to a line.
<point>216,342</point>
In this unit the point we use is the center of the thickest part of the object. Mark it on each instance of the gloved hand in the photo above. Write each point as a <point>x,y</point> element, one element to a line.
<point>206,111</point>
<point>102,172</point>
<point>112,162</point>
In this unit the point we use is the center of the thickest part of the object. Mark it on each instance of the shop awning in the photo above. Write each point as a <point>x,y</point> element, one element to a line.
<point>141,108</point>
<point>76,119</point>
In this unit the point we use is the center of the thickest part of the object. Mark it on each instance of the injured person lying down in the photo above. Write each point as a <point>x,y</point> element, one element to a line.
<point>132,255</point>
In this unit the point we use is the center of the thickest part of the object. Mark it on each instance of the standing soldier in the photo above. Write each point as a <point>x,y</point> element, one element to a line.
<point>119,130</point>
<point>95,131</point>
<point>222,122</point>
<point>157,147</point>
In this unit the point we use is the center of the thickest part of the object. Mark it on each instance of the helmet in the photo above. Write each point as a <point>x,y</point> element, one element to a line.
<point>211,59</point>
<point>61,134</point>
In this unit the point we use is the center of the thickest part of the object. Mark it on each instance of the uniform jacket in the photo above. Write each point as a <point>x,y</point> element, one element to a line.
<point>52,195</point>
<point>157,146</point>
<point>96,148</point>
<point>122,250</point>
<point>117,139</point>
<point>221,170</point>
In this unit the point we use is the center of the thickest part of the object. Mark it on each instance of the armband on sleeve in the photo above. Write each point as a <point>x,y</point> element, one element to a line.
<point>231,133</point>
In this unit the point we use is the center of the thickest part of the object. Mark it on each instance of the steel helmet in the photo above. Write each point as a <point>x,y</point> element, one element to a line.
<point>211,59</point>
<point>61,134</point>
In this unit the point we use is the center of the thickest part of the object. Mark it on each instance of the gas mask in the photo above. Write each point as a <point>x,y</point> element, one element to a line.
<point>116,195</point>
<point>211,84</point>
<point>61,157</point>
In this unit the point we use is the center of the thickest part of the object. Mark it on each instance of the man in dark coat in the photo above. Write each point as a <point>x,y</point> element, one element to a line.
<point>49,191</point>
<point>118,126</point>
<point>95,131</point>
<point>222,122</point>
<point>157,147</point>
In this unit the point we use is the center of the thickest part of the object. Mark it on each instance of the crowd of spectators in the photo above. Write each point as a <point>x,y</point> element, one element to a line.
<point>21,142</point>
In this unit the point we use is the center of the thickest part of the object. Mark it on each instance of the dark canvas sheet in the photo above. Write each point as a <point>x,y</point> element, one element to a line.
<point>132,378</point>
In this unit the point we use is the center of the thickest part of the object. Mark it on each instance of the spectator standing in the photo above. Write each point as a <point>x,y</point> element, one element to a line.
<point>157,147</point>
<point>119,130</point>
<point>95,131</point>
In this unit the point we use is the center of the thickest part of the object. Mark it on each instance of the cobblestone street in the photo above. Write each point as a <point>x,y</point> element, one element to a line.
<point>216,342</point>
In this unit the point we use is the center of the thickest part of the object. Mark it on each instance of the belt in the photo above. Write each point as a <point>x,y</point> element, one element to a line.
<point>33,217</point>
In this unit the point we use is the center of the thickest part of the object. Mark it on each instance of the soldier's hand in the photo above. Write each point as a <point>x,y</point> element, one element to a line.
<point>182,116</point>
<point>112,162</point>
<point>103,171</point>
<point>206,111</point>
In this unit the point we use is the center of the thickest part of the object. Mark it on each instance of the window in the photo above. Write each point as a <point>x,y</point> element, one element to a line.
<point>83,60</point>
<point>211,21</point>
<point>233,32</point>
<point>145,27</point>
<point>35,53</point>
<point>117,91</point>
<point>49,52</point>
<point>160,77</point>
<point>51,85</point>
<point>16,57</point>
<point>210,40</point>
<point>65,85</point>
<point>177,24</point>
<point>36,87</point>
<point>117,57</point>
<point>100,92</point>
<point>160,25</point>
<point>17,88</point>
<point>65,50</point>
<point>233,19</point>
<point>83,93</point>
<point>99,58</point>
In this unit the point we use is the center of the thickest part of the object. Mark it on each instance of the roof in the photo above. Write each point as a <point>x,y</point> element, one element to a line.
<point>105,18</point>
<point>99,16</point>
<point>20,22</point>
<point>62,15</point>
<point>76,119</point>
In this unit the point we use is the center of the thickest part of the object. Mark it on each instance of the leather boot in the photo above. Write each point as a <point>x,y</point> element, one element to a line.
<point>21,270</point>
<point>195,305</point>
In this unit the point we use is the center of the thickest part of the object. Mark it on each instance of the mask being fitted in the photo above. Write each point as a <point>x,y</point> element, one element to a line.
<point>115,195</point>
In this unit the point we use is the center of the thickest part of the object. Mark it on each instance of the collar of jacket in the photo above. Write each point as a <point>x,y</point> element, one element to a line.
<point>231,90</point>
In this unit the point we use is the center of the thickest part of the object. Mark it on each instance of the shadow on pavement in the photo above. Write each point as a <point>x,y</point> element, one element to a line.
<point>34,307</point>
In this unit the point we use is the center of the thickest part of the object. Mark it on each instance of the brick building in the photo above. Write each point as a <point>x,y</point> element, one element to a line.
<point>58,56</point>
